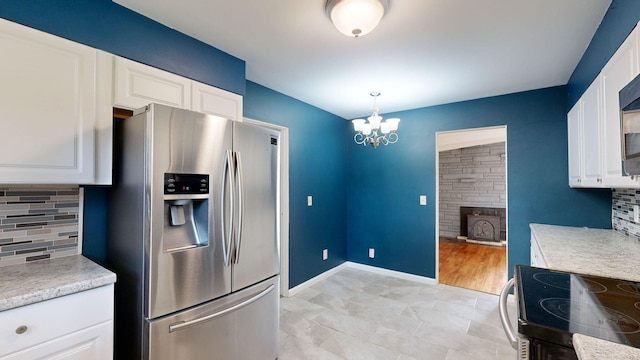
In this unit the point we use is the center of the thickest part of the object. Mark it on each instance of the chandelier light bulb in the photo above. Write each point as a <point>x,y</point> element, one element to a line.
<point>358,124</point>
<point>393,123</point>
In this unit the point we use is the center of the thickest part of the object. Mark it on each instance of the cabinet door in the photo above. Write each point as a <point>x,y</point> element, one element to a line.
<point>591,135</point>
<point>68,322</point>
<point>574,129</point>
<point>104,121</point>
<point>137,85</point>
<point>48,107</point>
<point>621,69</point>
<point>91,343</point>
<point>213,101</point>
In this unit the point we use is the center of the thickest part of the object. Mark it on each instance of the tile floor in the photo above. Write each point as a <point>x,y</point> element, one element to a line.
<point>356,314</point>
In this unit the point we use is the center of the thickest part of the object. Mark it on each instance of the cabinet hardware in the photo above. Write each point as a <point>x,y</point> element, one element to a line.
<point>21,329</point>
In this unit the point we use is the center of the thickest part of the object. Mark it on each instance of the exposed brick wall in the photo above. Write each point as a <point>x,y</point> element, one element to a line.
<point>473,176</point>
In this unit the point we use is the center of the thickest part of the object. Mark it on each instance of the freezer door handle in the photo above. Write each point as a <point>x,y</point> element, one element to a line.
<point>504,315</point>
<point>227,216</point>
<point>239,203</point>
<point>186,324</point>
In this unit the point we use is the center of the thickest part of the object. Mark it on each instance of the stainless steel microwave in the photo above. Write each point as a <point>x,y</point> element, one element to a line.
<point>630,127</point>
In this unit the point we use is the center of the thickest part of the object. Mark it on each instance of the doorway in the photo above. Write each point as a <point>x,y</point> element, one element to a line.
<point>471,208</point>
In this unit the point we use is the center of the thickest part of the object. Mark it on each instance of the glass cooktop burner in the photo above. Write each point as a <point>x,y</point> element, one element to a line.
<point>629,287</point>
<point>561,281</point>
<point>553,305</point>
<point>593,316</point>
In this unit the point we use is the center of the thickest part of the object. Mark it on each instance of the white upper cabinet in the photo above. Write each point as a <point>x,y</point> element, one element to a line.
<point>621,69</point>
<point>213,101</point>
<point>595,155</point>
<point>137,85</point>
<point>54,110</point>
<point>585,139</point>
<point>574,128</point>
<point>591,135</point>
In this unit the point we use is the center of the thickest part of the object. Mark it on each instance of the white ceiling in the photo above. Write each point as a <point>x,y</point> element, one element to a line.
<point>423,53</point>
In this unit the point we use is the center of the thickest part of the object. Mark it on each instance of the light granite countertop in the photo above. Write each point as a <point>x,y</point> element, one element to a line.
<point>25,284</point>
<point>590,348</point>
<point>598,252</point>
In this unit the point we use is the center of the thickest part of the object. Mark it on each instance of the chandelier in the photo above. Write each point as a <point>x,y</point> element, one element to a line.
<point>356,17</point>
<point>367,132</point>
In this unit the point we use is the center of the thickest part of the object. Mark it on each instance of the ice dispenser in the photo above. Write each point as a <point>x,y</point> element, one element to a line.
<point>186,211</point>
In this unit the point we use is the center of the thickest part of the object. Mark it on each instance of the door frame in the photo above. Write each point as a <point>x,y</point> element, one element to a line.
<point>455,139</point>
<point>284,201</point>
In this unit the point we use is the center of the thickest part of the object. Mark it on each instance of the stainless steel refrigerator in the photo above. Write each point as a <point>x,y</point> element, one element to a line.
<point>193,237</point>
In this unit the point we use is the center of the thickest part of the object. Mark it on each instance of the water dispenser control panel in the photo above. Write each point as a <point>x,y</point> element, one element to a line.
<point>186,183</point>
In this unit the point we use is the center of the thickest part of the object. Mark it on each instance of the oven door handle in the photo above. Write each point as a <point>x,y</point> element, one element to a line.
<point>504,315</point>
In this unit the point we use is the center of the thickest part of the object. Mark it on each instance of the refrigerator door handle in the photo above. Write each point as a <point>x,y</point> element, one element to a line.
<point>227,217</point>
<point>504,315</point>
<point>194,322</point>
<point>239,205</point>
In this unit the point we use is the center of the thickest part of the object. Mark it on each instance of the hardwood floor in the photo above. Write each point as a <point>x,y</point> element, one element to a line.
<point>473,266</point>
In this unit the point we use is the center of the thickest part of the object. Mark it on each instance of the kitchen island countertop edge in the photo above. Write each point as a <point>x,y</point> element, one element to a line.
<point>24,284</point>
<point>599,252</point>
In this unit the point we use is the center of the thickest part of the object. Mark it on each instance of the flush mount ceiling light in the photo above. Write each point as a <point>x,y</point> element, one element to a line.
<point>356,17</point>
<point>367,132</point>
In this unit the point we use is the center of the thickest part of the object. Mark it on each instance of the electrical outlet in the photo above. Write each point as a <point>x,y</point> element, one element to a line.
<point>325,254</point>
<point>309,200</point>
<point>372,253</point>
<point>636,213</point>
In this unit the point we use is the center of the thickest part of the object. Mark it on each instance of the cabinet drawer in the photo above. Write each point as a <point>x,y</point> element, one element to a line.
<point>54,318</point>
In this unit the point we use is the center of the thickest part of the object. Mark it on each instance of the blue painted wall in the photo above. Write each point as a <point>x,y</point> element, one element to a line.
<point>376,190</point>
<point>385,183</point>
<point>108,26</point>
<point>620,19</point>
<point>105,25</point>
<point>318,145</point>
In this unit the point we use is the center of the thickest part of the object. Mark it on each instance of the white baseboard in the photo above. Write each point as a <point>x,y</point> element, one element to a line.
<point>314,280</point>
<point>393,273</point>
<point>373,269</point>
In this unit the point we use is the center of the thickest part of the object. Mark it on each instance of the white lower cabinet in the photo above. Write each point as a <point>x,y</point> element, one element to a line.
<point>77,326</point>
<point>54,111</point>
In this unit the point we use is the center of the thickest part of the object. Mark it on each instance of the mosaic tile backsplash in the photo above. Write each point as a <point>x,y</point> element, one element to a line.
<point>622,211</point>
<point>38,223</point>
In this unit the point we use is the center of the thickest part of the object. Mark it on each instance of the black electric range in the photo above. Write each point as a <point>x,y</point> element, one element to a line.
<point>553,305</point>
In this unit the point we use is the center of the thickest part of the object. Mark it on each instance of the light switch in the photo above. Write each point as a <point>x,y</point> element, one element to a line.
<point>309,200</point>
<point>423,200</point>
